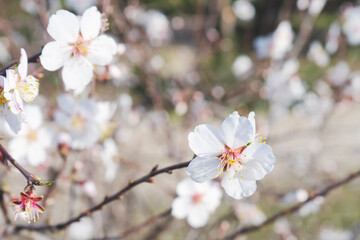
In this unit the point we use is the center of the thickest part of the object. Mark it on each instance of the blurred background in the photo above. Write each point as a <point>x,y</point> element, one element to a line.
<point>180,63</point>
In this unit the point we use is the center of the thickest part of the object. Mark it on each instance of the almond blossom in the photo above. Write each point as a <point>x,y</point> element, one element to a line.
<point>27,207</point>
<point>19,86</point>
<point>196,201</point>
<point>78,46</point>
<point>235,152</point>
<point>78,120</point>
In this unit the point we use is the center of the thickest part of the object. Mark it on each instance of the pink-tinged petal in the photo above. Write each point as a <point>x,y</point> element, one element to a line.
<point>101,50</point>
<point>236,187</point>
<point>23,65</point>
<point>64,26</point>
<point>180,207</point>
<point>54,55</point>
<point>198,216</point>
<point>202,169</point>
<point>15,102</point>
<point>90,23</point>
<point>237,131</point>
<point>205,140</point>
<point>77,74</point>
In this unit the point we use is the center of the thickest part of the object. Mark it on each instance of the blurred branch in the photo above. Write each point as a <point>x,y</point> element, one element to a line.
<point>294,208</point>
<point>32,59</point>
<point>119,195</point>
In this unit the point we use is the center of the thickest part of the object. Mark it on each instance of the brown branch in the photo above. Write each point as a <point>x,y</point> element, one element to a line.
<point>32,59</point>
<point>294,208</point>
<point>116,196</point>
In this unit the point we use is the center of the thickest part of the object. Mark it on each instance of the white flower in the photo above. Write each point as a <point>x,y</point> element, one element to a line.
<point>316,6</point>
<point>282,40</point>
<point>351,25</point>
<point>19,87</point>
<point>262,45</point>
<point>13,120</point>
<point>299,195</point>
<point>244,10</point>
<point>110,157</point>
<point>196,201</point>
<point>311,207</point>
<point>157,27</point>
<point>32,141</point>
<point>78,119</point>
<point>249,214</point>
<point>78,45</point>
<point>317,54</point>
<point>333,38</point>
<point>302,4</point>
<point>339,74</point>
<point>234,152</point>
<point>241,66</point>
<point>335,234</point>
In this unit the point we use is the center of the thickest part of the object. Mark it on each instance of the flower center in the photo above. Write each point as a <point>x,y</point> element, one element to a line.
<point>78,121</point>
<point>3,100</point>
<point>80,47</point>
<point>197,198</point>
<point>232,158</point>
<point>32,135</point>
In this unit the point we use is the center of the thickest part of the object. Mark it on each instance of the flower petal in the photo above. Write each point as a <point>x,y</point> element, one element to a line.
<point>31,89</point>
<point>90,23</point>
<point>23,65</point>
<point>64,26</point>
<point>198,216</point>
<point>236,187</point>
<point>237,131</point>
<point>101,50</point>
<point>77,74</point>
<point>202,169</point>
<point>251,118</point>
<point>54,55</point>
<point>259,161</point>
<point>180,207</point>
<point>205,140</point>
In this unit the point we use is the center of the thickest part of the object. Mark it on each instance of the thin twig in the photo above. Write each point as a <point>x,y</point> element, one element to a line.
<point>116,196</point>
<point>294,208</point>
<point>32,59</point>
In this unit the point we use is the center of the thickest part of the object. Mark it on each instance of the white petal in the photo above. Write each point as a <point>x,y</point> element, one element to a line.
<point>101,50</point>
<point>31,89</point>
<point>36,154</point>
<point>77,74</point>
<point>54,55</point>
<point>64,26</point>
<point>237,131</point>
<point>23,65</point>
<point>90,23</point>
<point>14,121</point>
<point>66,103</point>
<point>185,187</point>
<point>237,188</point>
<point>251,118</point>
<point>180,207</point>
<point>259,161</point>
<point>202,169</point>
<point>198,216</point>
<point>205,140</point>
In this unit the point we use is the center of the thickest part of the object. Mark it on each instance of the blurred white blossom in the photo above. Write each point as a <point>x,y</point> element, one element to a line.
<point>82,230</point>
<point>241,66</point>
<point>110,158</point>
<point>196,201</point>
<point>249,214</point>
<point>316,6</point>
<point>351,26</point>
<point>311,207</point>
<point>333,38</point>
<point>339,74</point>
<point>244,10</point>
<point>282,40</point>
<point>335,234</point>
<point>80,5</point>
<point>317,54</point>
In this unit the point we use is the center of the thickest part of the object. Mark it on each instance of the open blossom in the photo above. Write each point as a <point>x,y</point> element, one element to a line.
<point>19,86</point>
<point>235,152</point>
<point>31,143</point>
<point>78,45</point>
<point>78,120</point>
<point>196,201</point>
<point>27,207</point>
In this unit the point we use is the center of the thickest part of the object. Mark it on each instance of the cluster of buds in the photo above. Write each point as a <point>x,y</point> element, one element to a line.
<point>27,207</point>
